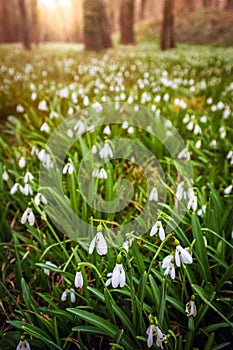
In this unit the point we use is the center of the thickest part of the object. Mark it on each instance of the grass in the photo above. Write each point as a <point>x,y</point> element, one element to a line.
<point>189,86</point>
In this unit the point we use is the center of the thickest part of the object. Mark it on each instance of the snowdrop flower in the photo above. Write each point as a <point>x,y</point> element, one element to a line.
<point>78,281</point>
<point>190,126</point>
<point>28,216</point>
<point>223,132</point>
<point>125,125</point>
<point>152,331</point>
<point>154,195</point>
<point>184,191</point>
<point>166,97</point>
<point>68,168</point>
<point>190,308</point>
<point>34,150</point>
<point>97,107</point>
<point>42,106</point>
<point>201,211</point>
<point>182,255</point>
<point>117,277</point>
<point>198,144</point>
<point>45,127</point>
<point>130,130</point>
<point>23,344</point>
<point>28,177</point>
<point>63,93</point>
<point>40,198</point>
<point>53,115</point>
<point>15,188</point>
<point>26,190</point>
<point>184,154</point>
<point>158,227</point>
<point>128,242</point>
<point>22,162</point>
<point>100,173</point>
<point>168,265</point>
<point>203,119</point>
<point>99,243</point>
<point>192,203</point>
<point>5,175</point>
<point>86,101</point>
<point>49,263</point>
<point>80,127</point>
<point>94,149</point>
<point>228,189</point>
<point>33,96</point>
<point>19,109</point>
<point>71,292</point>
<point>70,133</point>
<point>213,143</point>
<point>106,151</point>
<point>197,130</point>
<point>107,130</point>
<point>230,157</point>
<point>70,111</point>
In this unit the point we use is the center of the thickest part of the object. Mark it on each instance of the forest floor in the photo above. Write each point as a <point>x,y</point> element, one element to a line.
<point>169,275</point>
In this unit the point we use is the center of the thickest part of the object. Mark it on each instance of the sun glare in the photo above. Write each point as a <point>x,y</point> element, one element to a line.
<point>52,4</point>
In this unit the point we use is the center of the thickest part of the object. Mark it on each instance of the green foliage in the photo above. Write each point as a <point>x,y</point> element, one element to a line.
<point>198,84</point>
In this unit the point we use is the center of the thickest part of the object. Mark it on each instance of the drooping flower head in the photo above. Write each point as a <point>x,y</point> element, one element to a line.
<point>99,242</point>
<point>23,344</point>
<point>117,277</point>
<point>190,308</point>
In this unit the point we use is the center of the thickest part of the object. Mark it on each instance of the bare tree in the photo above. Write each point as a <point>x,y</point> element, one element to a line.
<point>142,9</point>
<point>167,39</point>
<point>96,28</point>
<point>190,5</point>
<point>25,29</point>
<point>127,22</point>
<point>229,5</point>
<point>207,3</point>
<point>35,21</point>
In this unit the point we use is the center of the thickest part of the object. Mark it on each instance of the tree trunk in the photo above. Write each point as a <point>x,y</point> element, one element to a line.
<point>96,30</point>
<point>190,5</point>
<point>9,30</point>
<point>229,5</point>
<point>35,21</point>
<point>167,40</point>
<point>25,29</point>
<point>207,3</point>
<point>142,9</point>
<point>127,22</point>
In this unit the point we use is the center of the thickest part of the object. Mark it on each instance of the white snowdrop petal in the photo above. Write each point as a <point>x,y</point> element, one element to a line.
<point>186,256</point>
<point>150,336</point>
<point>92,245</point>
<point>37,199</point>
<point>24,216</point>
<point>72,295</point>
<point>78,282</point>
<point>64,296</point>
<point>31,218</point>
<point>116,276</point>
<point>101,245</point>
<point>154,229</point>
<point>167,261</point>
<point>177,258</point>
<point>122,278</point>
<point>161,233</point>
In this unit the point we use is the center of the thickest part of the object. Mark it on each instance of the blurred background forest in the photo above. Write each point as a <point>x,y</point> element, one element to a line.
<point>102,23</point>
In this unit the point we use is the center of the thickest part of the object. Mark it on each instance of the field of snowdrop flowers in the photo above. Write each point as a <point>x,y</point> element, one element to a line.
<point>116,218</point>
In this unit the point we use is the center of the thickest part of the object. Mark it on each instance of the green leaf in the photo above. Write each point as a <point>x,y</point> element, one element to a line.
<point>110,329</point>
